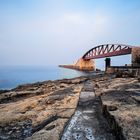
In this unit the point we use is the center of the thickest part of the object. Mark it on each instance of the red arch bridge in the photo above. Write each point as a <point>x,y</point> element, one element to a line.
<point>105,51</point>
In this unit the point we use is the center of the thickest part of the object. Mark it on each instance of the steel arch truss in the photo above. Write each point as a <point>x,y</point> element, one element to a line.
<point>107,50</point>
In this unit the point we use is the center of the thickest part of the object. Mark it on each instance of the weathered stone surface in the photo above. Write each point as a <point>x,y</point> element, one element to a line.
<point>50,132</point>
<point>39,103</point>
<point>136,56</point>
<point>85,64</point>
<point>121,96</point>
<point>88,122</point>
<point>41,110</point>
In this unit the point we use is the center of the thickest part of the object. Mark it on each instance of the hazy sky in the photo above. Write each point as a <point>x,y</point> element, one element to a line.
<point>52,32</point>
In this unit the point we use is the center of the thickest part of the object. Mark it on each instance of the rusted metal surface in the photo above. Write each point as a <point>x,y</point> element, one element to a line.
<point>107,50</point>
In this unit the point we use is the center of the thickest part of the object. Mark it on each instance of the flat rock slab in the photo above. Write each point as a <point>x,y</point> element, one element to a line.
<point>88,123</point>
<point>86,96</point>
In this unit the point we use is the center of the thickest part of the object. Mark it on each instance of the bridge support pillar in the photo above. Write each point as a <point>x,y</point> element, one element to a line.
<point>107,63</point>
<point>136,56</point>
<point>88,65</point>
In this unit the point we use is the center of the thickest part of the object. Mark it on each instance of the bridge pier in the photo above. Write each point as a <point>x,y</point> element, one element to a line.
<point>88,65</point>
<point>136,56</point>
<point>81,64</point>
<point>107,63</point>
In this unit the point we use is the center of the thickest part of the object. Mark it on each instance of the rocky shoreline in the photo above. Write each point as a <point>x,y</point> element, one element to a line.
<point>42,110</point>
<point>29,108</point>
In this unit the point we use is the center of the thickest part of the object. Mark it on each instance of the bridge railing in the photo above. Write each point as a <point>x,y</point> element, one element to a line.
<point>107,50</point>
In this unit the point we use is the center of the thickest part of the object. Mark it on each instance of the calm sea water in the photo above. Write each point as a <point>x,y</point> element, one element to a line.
<point>10,77</point>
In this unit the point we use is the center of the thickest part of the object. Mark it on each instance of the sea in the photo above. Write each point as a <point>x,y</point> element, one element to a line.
<point>12,76</point>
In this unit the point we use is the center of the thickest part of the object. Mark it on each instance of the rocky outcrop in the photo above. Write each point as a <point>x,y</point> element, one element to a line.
<point>121,105</point>
<point>40,110</point>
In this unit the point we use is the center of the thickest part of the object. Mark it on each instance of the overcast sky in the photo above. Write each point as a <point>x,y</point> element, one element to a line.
<point>52,32</point>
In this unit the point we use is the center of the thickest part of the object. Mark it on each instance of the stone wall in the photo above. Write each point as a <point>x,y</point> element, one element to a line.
<point>85,64</point>
<point>124,70</point>
<point>136,56</point>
